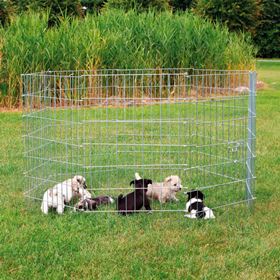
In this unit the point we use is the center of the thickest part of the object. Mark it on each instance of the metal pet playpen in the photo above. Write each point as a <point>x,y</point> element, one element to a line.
<point>108,124</point>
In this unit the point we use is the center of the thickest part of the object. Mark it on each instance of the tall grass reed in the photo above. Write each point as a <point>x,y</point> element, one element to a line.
<point>115,39</point>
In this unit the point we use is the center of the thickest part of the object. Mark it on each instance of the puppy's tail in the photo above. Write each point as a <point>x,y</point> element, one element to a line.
<point>120,197</point>
<point>137,176</point>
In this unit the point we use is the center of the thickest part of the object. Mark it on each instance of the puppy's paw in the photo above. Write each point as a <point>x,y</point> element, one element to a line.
<point>190,216</point>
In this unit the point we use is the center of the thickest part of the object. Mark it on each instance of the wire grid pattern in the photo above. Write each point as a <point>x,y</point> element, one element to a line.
<point>108,124</point>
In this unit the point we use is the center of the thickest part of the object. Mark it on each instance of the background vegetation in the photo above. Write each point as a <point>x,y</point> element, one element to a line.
<point>138,5</point>
<point>43,34</point>
<point>238,15</point>
<point>267,36</point>
<point>260,18</point>
<point>116,39</point>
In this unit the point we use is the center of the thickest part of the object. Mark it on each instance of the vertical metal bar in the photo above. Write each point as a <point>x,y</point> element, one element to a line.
<point>196,129</point>
<point>82,106</point>
<point>250,162</point>
<point>24,94</point>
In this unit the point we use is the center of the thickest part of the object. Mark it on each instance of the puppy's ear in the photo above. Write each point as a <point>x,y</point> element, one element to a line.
<point>132,182</point>
<point>168,179</point>
<point>189,194</point>
<point>148,181</point>
<point>200,195</point>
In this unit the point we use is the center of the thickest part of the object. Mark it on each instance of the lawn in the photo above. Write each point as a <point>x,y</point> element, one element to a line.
<point>237,245</point>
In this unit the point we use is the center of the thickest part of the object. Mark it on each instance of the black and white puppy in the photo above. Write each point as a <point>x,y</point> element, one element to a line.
<point>134,201</point>
<point>195,207</point>
<point>90,204</point>
<point>87,204</point>
<point>103,199</point>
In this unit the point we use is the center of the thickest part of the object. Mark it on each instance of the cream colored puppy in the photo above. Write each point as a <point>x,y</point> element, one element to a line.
<point>164,191</point>
<point>64,192</point>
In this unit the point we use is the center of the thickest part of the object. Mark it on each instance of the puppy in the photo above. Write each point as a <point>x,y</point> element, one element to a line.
<point>103,199</point>
<point>91,204</point>
<point>164,191</point>
<point>87,204</point>
<point>63,193</point>
<point>196,208</point>
<point>84,194</point>
<point>134,201</point>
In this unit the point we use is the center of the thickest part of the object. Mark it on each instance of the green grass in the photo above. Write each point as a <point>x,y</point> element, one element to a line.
<point>237,245</point>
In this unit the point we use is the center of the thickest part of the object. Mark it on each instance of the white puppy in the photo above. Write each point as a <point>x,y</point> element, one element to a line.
<point>164,191</point>
<point>64,192</point>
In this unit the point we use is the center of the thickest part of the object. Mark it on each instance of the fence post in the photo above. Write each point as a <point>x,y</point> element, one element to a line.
<point>251,141</point>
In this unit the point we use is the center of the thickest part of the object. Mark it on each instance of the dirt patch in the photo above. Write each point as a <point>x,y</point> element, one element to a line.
<point>10,110</point>
<point>260,84</point>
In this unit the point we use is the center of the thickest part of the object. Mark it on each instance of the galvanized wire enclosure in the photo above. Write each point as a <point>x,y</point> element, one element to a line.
<point>108,124</point>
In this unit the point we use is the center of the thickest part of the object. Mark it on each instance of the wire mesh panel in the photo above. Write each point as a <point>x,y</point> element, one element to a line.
<point>106,125</point>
